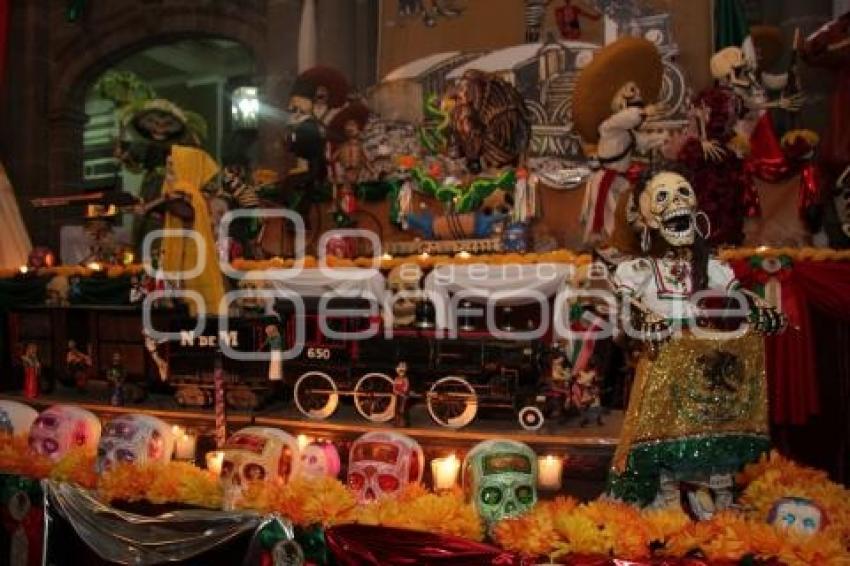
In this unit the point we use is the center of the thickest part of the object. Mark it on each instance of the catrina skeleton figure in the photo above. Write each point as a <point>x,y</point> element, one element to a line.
<point>698,407</point>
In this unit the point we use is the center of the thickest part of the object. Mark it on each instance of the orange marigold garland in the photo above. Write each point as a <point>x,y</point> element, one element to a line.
<point>16,458</point>
<point>304,501</point>
<point>172,482</point>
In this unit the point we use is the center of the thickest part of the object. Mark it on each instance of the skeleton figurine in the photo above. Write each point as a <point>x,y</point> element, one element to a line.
<point>256,453</point>
<point>134,439</point>
<point>319,459</point>
<point>117,375</point>
<point>703,393</point>
<point>79,365</point>
<point>349,158</point>
<point>401,391</point>
<point>61,428</point>
<point>500,479</point>
<point>16,418</point>
<point>380,464</point>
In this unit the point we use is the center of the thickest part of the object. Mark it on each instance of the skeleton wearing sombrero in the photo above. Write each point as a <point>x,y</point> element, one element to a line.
<point>609,107</point>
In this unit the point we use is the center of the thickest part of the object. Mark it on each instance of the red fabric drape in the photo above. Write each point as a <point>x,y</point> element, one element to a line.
<point>790,357</point>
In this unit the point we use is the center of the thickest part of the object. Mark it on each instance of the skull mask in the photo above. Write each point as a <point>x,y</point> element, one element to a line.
<point>732,68</point>
<point>319,459</point>
<point>16,418</point>
<point>797,515</point>
<point>627,97</point>
<point>668,205</point>
<point>403,281</point>
<point>256,453</point>
<point>381,463</point>
<point>61,428</point>
<point>134,439</point>
<point>500,478</point>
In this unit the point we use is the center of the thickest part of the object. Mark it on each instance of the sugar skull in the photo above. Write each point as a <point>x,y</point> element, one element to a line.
<point>403,281</point>
<point>134,439</point>
<point>500,478</point>
<point>668,204</point>
<point>798,515</point>
<point>256,453</point>
<point>381,463</point>
<point>61,428</point>
<point>16,418</point>
<point>319,459</point>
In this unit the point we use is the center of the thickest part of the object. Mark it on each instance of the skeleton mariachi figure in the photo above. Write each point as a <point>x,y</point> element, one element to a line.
<point>731,121</point>
<point>349,159</point>
<point>609,106</point>
<point>698,407</point>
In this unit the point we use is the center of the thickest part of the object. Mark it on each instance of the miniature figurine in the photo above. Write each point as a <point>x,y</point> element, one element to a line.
<point>568,19</point>
<point>32,371</point>
<point>57,292</point>
<point>559,378</point>
<point>612,100</point>
<point>79,365</point>
<point>137,290</point>
<point>349,159</point>
<point>585,396</point>
<point>401,390</point>
<point>274,342</point>
<point>116,376</point>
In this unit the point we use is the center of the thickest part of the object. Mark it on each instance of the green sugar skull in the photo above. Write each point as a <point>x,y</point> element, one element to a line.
<point>500,478</point>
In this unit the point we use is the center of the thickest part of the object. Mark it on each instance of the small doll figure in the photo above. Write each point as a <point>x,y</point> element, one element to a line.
<point>401,390</point>
<point>274,342</point>
<point>79,365</point>
<point>116,376</point>
<point>349,157</point>
<point>559,382</point>
<point>137,290</point>
<point>32,370</point>
<point>585,393</point>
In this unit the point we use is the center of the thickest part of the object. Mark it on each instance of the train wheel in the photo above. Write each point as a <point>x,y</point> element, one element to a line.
<point>316,395</point>
<point>373,397</point>
<point>452,402</point>
<point>530,418</point>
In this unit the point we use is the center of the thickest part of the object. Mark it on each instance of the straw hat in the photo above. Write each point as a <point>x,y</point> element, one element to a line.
<point>627,59</point>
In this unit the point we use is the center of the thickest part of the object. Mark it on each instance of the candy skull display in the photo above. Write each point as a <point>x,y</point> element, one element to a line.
<point>61,428</point>
<point>16,418</point>
<point>134,439</point>
<point>319,459</point>
<point>381,463</point>
<point>798,515</point>
<point>500,478</point>
<point>668,204</point>
<point>732,68</point>
<point>256,453</point>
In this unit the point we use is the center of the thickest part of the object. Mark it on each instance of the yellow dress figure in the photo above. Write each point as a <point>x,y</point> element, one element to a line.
<point>191,169</point>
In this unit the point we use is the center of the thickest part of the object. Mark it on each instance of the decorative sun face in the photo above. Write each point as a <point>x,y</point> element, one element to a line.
<point>668,204</point>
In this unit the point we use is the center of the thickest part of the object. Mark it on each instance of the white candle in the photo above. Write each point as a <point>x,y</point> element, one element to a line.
<point>549,470</point>
<point>303,441</point>
<point>444,472</point>
<point>214,460</point>
<point>184,444</point>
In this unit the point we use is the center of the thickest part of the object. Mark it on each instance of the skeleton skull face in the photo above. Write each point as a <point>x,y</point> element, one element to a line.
<point>797,515</point>
<point>628,96</point>
<point>256,453</point>
<point>319,459</point>
<point>403,281</point>
<point>732,68</point>
<point>380,464</point>
<point>134,439</point>
<point>668,204</point>
<point>16,418</point>
<point>61,428</point>
<point>500,478</point>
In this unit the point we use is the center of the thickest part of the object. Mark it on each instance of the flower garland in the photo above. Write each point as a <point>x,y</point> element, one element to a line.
<point>795,254</point>
<point>111,271</point>
<point>158,483</point>
<point>77,466</point>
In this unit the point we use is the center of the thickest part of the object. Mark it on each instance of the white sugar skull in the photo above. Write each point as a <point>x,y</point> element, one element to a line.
<point>381,463</point>
<point>16,418</point>
<point>319,459</point>
<point>61,428</point>
<point>668,204</point>
<point>134,439</point>
<point>403,281</point>
<point>797,515</point>
<point>256,453</point>
<point>731,67</point>
<point>626,97</point>
<point>500,479</point>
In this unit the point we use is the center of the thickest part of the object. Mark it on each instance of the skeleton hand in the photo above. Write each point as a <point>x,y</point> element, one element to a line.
<point>650,326</point>
<point>712,150</point>
<point>650,111</point>
<point>791,103</point>
<point>764,318</point>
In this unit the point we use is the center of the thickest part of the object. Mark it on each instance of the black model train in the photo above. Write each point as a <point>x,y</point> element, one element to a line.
<point>454,377</point>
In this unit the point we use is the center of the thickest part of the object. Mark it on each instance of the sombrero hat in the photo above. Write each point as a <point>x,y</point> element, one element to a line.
<point>354,110</point>
<point>334,81</point>
<point>627,59</point>
<point>769,44</point>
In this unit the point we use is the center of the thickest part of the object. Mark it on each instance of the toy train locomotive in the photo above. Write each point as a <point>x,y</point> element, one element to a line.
<point>454,377</point>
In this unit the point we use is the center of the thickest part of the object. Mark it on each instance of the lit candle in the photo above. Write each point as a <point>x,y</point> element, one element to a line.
<point>464,254</point>
<point>23,269</point>
<point>444,472</point>
<point>549,470</point>
<point>386,257</point>
<point>184,444</point>
<point>303,441</point>
<point>94,266</point>
<point>214,460</point>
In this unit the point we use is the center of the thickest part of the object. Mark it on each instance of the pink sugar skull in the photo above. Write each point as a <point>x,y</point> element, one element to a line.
<point>256,453</point>
<point>381,463</point>
<point>62,428</point>
<point>134,439</point>
<point>16,418</point>
<point>319,459</point>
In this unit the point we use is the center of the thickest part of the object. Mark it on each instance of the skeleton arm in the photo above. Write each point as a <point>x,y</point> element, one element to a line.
<point>711,149</point>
